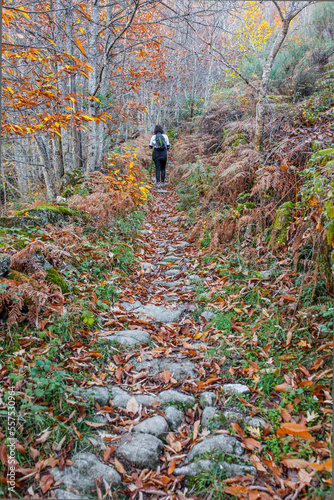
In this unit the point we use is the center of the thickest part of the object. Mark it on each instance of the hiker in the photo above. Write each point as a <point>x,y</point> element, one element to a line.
<point>160,144</point>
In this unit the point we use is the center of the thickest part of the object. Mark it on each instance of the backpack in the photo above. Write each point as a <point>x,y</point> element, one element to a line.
<point>160,142</point>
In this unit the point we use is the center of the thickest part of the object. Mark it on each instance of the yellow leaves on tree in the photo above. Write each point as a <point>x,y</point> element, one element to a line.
<point>255,32</point>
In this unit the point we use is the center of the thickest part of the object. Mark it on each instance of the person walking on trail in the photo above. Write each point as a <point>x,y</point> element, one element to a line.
<point>160,145</point>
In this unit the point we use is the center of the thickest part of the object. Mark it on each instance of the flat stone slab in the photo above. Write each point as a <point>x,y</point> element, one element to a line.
<point>174,417</point>
<point>172,396</point>
<point>180,370</point>
<point>205,465</point>
<point>148,265</point>
<point>158,313</point>
<point>172,272</point>
<point>83,473</point>
<point>96,393</point>
<point>130,337</point>
<point>208,315</point>
<point>226,444</point>
<point>142,450</point>
<point>236,389</point>
<point>183,244</point>
<point>156,425</point>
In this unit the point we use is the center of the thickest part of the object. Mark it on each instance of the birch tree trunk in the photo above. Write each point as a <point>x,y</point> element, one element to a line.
<point>47,168</point>
<point>92,81</point>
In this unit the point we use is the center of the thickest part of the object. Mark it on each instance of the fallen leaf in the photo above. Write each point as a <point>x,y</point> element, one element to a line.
<point>46,482</point>
<point>294,430</point>
<point>119,467</point>
<point>257,463</point>
<point>132,406</point>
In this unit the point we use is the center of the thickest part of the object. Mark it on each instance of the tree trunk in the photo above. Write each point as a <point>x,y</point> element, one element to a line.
<point>262,95</point>
<point>47,167</point>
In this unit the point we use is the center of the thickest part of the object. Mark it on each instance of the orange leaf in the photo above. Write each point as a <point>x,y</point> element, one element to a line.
<point>324,466</point>
<point>45,482</point>
<point>294,463</point>
<point>119,467</point>
<point>257,463</point>
<point>196,429</point>
<point>171,466</point>
<point>283,387</point>
<point>294,430</point>
<point>238,430</point>
<point>80,45</point>
<point>251,444</point>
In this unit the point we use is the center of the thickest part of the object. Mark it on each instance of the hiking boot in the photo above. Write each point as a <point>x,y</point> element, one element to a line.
<point>162,185</point>
<point>157,185</point>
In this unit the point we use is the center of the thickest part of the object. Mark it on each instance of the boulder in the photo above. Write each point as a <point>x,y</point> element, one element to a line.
<point>95,393</point>
<point>151,311</point>
<point>174,417</point>
<point>236,389</point>
<point>142,450</point>
<point>20,222</point>
<point>130,337</point>
<point>172,396</point>
<point>49,214</point>
<point>231,470</point>
<point>156,425</point>
<point>180,370</point>
<point>68,495</point>
<point>207,398</point>
<point>225,444</point>
<point>5,261</point>
<point>83,473</point>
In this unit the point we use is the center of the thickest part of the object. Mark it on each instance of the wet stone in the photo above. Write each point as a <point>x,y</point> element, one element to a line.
<point>142,450</point>
<point>97,394</point>
<point>130,337</point>
<point>174,417</point>
<point>83,473</point>
<point>156,425</point>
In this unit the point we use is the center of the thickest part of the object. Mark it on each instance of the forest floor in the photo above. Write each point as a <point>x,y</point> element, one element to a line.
<point>219,394</point>
<point>206,385</point>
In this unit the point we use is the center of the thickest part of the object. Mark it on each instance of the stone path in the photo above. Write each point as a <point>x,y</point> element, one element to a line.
<point>162,414</point>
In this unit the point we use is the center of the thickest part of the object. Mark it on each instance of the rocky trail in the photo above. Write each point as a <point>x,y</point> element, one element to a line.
<point>153,423</point>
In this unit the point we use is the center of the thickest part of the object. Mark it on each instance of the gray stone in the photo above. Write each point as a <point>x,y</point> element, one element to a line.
<point>205,465</point>
<point>168,284</point>
<point>170,248</point>
<point>156,425</point>
<point>130,337</point>
<point>84,471</point>
<point>68,495</point>
<point>223,418</point>
<point>149,265</point>
<point>119,397</point>
<point>208,315</point>
<point>159,313</point>
<point>162,191</point>
<point>144,399</point>
<point>183,244</point>
<point>172,272</point>
<point>255,422</point>
<point>174,219</point>
<point>21,222</point>
<point>145,231</point>
<point>174,417</point>
<point>267,274</point>
<point>226,444</point>
<point>207,398</point>
<point>142,450</point>
<point>96,393</point>
<point>5,261</point>
<point>180,370</point>
<point>172,396</point>
<point>128,306</point>
<point>171,258</point>
<point>98,443</point>
<point>236,389</point>
<point>100,419</point>
<point>194,277</point>
<point>209,413</point>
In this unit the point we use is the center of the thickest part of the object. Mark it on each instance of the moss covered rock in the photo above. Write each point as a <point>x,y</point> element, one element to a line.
<point>54,277</point>
<point>281,225</point>
<point>20,221</point>
<point>20,277</point>
<point>4,264</point>
<point>49,214</point>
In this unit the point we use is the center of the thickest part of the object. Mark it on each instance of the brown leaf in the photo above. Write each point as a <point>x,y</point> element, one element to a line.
<point>164,376</point>
<point>292,429</point>
<point>294,463</point>
<point>94,424</point>
<point>119,467</point>
<point>196,429</point>
<point>238,430</point>
<point>257,463</point>
<point>107,452</point>
<point>251,444</point>
<point>34,453</point>
<point>283,387</point>
<point>3,453</point>
<point>43,437</point>
<point>46,482</point>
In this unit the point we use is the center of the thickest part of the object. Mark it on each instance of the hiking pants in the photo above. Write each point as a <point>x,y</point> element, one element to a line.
<point>160,169</point>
